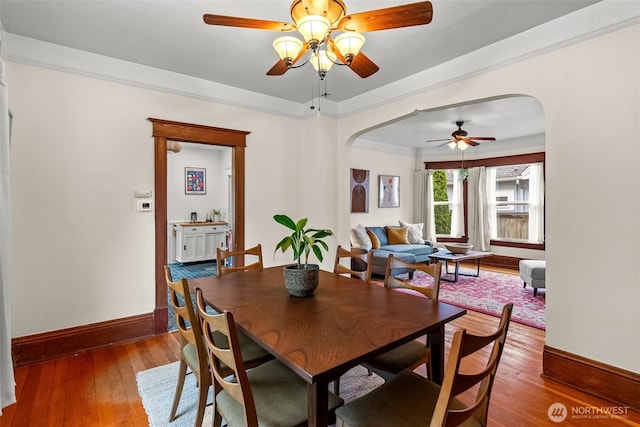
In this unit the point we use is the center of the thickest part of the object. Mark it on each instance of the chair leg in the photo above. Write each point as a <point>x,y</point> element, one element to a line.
<point>217,418</point>
<point>203,392</point>
<point>182,373</point>
<point>535,292</point>
<point>336,386</point>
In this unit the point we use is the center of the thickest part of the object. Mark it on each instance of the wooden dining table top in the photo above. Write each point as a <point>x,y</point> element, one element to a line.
<point>345,322</point>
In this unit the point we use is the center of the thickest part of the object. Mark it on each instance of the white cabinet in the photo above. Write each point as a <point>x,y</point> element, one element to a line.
<point>199,241</point>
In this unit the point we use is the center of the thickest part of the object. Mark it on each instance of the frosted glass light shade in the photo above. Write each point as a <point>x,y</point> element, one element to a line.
<point>349,44</point>
<point>322,61</point>
<point>452,145</point>
<point>462,145</point>
<point>288,48</point>
<point>314,28</point>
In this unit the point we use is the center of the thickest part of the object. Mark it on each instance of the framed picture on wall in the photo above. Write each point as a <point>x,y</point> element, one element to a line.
<point>389,196</point>
<point>359,191</point>
<point>195,180</point>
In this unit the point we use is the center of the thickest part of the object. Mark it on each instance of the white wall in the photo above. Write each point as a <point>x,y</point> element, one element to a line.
<point>81,146</point>
<point>81,254</point>
<point>384,163</point>
<point>217,163</point>
<point>179,204</point>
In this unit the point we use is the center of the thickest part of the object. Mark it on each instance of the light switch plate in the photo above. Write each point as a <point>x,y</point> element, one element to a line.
<point>145,205</point>
<point>143,194</point>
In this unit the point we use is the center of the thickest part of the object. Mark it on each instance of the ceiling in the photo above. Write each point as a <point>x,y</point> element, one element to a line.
<point>505,119</point>
<point>171,35</point>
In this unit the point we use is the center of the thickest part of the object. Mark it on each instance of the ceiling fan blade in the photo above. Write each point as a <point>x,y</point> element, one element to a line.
<point>438,140</point>
<point>481,138</point>
<point>442,145</point>
<point>471,143</point>
<point>258,24</point>
<point>278,69</point>
<point>406,15</point>
<point>363,66</point>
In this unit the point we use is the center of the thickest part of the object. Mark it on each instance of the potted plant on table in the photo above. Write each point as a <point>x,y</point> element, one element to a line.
<point>301,279</point>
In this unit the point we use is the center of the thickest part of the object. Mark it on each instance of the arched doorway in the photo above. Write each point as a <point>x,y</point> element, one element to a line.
<point>163,131</point>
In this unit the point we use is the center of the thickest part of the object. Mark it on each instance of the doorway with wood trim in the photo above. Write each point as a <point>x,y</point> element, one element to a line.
<point>165,131</point>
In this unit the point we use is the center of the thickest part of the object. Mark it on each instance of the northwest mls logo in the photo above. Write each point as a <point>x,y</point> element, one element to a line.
<point>557,412</point>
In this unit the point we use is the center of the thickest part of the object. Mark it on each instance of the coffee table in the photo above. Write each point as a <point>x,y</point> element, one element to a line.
<point>447,257</point>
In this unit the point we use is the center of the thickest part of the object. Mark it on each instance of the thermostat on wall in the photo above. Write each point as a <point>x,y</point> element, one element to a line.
<point>145,205</point>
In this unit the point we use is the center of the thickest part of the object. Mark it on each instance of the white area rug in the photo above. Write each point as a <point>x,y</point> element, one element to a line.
<point>156,386</point>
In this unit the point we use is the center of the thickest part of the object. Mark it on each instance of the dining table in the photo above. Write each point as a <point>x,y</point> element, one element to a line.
<point>343,324</point>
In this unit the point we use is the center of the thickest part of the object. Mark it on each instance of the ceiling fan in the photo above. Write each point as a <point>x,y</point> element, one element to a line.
<point>460,139</point>
<point>315,20</point>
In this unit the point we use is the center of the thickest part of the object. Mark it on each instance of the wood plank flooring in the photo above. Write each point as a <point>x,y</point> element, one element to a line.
<point>98,388</point>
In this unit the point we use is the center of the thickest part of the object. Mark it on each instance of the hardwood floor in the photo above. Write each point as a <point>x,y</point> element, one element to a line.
<point>98,388</point>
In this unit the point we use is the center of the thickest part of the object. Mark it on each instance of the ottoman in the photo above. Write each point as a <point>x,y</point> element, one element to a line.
<point>532,273</point>
<point>379,262</point>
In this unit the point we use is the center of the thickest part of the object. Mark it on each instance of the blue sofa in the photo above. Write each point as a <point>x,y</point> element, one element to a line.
<point>404,242</point>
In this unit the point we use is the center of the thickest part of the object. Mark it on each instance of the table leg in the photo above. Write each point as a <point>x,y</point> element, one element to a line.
<point>455,272</point>
<point>318,402</point>
<point>435,341</point>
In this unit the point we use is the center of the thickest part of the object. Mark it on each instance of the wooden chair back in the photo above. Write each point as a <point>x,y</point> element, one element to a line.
<point>222,358</point>
<point>433,270</point>
<point>185,313</point>
<point>190,333</point>
<point>357,258</point>
<point>455,382</point>
<point>255,252</point>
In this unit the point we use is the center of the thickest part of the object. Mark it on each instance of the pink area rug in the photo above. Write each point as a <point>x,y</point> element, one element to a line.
<point>489,293</point>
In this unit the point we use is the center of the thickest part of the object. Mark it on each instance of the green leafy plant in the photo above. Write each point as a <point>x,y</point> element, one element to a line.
<point>302,241</point>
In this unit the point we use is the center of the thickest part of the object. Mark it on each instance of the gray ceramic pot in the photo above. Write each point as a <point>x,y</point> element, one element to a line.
<point>301,282</point>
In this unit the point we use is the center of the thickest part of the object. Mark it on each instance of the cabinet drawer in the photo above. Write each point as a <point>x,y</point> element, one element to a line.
<point>213,229</point>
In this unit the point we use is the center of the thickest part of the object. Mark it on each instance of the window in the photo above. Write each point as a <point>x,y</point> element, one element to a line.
<point>513,203</point>
<point>517,205</point>
<point>448,203</point>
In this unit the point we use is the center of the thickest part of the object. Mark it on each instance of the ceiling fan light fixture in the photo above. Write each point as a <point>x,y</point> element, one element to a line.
<point>288,48</point>
<point>349,44</point>
<point>322,61</point>
<point>452,144</point>
<point>314,29</point>
<point>462,145</point>
<point>333,10</point>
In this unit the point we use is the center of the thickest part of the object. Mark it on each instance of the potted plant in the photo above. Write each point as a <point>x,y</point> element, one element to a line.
<point>301,279</point>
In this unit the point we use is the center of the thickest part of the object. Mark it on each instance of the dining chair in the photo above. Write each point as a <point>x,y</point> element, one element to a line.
<point>268,395</point>
<point>409,399</point>
<point>414,353</point>
<point>193,350</point>
<point>359,261</point>
<point>254,252</point>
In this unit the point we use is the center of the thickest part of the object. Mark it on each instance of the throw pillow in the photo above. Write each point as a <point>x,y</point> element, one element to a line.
<point>379,234</point>
<point>398,235</point>
<point>414,232</point>
<point>361,238</point>
<point>375,242</point>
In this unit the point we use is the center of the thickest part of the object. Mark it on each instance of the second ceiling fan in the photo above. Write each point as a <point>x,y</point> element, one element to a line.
<point>315,20</point>
<point>459,138</point>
